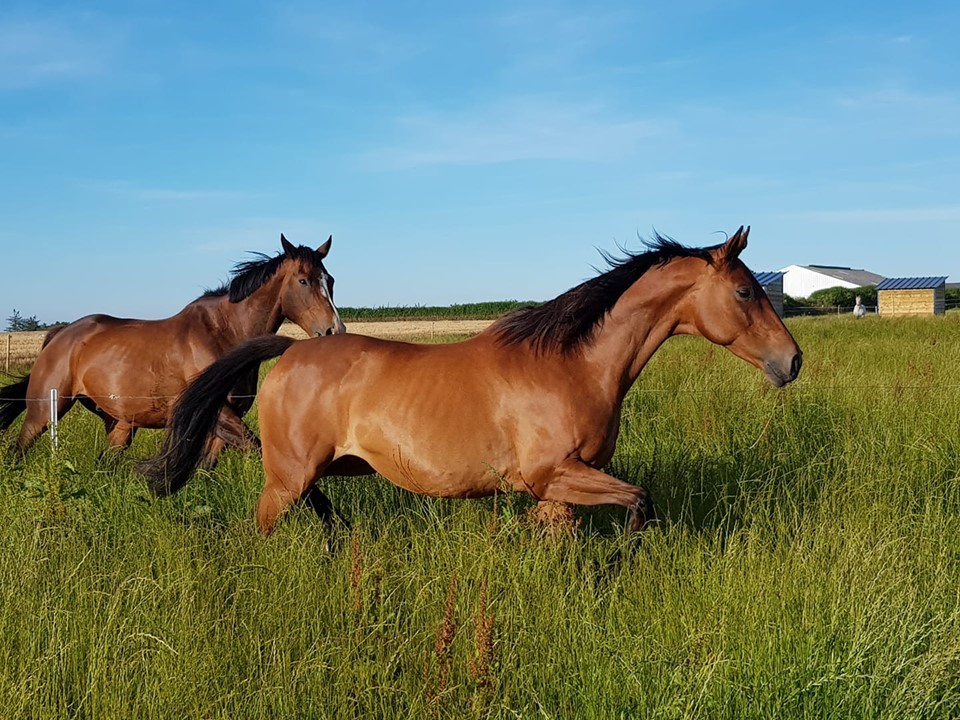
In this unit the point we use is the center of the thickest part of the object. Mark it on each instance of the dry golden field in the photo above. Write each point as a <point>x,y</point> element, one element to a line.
<point>21,348</point>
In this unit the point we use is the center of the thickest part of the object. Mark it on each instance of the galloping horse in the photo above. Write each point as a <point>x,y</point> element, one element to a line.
<point>531,404</point>
<point>129,371</point>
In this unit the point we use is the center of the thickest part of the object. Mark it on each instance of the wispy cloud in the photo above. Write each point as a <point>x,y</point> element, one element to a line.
<point>948,213</point>
<point>346,39</point>
<point>507,131</point>
<point>545,36</point>
<point>41,50</point>
<point>896,96</point>
<point>129,190</point>
<point>259,234</point>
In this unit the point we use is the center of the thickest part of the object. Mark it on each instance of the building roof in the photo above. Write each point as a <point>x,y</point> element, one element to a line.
<point>767,278</point>
<point>912,283</point>
<point>860,278</point>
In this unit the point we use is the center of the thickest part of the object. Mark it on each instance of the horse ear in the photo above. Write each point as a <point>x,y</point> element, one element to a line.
<point>735,245</point>
<point>325,248</point>
<point>288,247</point>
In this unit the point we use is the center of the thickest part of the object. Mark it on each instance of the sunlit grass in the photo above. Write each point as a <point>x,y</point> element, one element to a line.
<point>806,565</point>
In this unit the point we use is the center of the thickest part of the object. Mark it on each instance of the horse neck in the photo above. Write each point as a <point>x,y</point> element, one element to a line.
<point>644,317</point>
<point>259,313</point>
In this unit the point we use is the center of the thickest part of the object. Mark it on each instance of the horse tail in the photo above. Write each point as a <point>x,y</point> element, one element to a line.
<point>13,401</point>
<point>195,412</point>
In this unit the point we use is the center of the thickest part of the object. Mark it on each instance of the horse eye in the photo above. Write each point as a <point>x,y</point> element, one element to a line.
<point>744,293</point>
<point>303,281</point>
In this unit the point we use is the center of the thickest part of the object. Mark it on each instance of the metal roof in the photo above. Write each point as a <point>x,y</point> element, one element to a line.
<point>860,278</point>
<point>912,283</point>
<point>767,278</point>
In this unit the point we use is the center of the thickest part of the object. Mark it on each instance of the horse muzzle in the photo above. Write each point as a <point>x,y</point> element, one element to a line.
<point>782,373</point>
<point>338,328</point>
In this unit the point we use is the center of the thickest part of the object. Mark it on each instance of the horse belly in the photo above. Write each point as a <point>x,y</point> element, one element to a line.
<point>476,480</point>
<point>140,412</point>
<point>126,387</point>
<point>438,469</point>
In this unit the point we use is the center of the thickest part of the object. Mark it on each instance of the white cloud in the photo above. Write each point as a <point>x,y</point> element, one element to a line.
<point>526,129</point>
<point>40,50</point>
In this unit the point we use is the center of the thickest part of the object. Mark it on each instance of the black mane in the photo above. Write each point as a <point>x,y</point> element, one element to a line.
<point>567,321</point>
<point>249,275</point>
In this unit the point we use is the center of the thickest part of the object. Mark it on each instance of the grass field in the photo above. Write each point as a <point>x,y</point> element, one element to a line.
<point>807,564</point>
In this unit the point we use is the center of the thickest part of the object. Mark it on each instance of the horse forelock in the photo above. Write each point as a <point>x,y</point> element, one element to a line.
<point>570,320</point>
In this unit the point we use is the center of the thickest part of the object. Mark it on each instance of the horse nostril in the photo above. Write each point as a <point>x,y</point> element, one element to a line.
<point>796,364</point>
<point>329,331</point>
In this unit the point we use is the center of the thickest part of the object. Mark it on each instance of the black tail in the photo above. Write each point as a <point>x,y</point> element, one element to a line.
<point>13,401</point>
<point>195,413</point>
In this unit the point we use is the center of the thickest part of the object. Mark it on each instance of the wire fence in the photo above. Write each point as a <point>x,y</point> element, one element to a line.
<point>832,310</point>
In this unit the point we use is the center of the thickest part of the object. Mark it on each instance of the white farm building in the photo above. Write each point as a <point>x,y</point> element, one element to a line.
<point>800,281</point>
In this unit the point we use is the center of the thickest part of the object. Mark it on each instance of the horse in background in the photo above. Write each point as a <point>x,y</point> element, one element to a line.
<point>531,404</point>
<point>128,372</point>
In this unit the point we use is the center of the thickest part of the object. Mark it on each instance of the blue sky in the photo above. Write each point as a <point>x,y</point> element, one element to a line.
<point>461,152</point>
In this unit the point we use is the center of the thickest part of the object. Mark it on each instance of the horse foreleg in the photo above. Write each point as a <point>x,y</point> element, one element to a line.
<point>574,482</point>
<point>288,480</point>
<point>119,434</point>
<point>321,505</point>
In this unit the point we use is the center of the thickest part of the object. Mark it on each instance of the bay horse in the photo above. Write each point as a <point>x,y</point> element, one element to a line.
<point>532,404</point>
<point>129,371</point>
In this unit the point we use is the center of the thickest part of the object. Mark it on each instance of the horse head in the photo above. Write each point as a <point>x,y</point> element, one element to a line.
<point>306,295</point>
<point>728,307</point>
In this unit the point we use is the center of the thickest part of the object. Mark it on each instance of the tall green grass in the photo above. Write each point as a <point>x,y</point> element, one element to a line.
<point>806,565</point>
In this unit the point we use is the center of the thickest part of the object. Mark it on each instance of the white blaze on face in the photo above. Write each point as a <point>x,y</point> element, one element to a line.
<point>325,289</point>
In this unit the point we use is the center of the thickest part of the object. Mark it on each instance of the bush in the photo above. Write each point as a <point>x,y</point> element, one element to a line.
<point>844,297</point>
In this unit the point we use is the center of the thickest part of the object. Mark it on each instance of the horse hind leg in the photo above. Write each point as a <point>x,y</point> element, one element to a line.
<point>37,419</point>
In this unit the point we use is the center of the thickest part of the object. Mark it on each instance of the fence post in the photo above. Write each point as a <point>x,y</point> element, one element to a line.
<point>53,418</point>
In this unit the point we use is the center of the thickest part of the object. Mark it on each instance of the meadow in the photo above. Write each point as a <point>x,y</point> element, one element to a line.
<point>806,564</point>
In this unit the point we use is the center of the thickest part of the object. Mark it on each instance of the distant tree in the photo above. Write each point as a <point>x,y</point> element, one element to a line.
<point>844,297</point>
<point>19,323</point>
<point>793,304</point>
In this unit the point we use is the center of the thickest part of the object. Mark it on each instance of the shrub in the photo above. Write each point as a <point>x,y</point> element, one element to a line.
<point>831,297</point>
